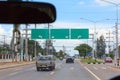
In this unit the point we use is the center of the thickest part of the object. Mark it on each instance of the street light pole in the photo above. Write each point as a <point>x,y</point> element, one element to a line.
<point>93,55</point>
<point>26,43</point>
<point>35,46</point>
<point>109,40</point>
<point>95,33</point>
<point>117,48</point>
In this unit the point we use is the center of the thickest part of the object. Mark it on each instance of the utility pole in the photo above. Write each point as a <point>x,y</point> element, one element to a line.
<point>3,45</point>
<point>116,26</point>
<point>21,44</point>
<point>63,49</point>
<point>93,53</point>
<point>35,45</point>
<point>109,40</point>
<point>48,42</point>
<point>95,32</point>
<point>26,43</point>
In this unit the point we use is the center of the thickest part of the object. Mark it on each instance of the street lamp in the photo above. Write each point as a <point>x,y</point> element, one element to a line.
<point>92,44</point>
<point>117,48</point>
<point>109,40</point>
<point>49,41</point>
<point>94,22</point>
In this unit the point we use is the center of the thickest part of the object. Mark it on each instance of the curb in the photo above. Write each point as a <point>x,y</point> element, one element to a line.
<point>15,65</point>
<point>95,63</point>
<point>115,68</point>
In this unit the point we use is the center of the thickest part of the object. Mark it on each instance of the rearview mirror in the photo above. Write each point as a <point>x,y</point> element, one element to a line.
<point>26,12</point>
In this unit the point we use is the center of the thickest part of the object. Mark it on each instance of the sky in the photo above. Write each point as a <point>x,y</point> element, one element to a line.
<point>77,14</point>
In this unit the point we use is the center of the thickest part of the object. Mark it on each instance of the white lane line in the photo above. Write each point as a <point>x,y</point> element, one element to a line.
<point>13,73</point>
<point>72,68</point>
<point>33,68</point>
<point>92,73</point>
<point>59,66</point>
<point>52,73</point>
<point>18,69</point>
<point>104,68</point>
<point>95,68</point>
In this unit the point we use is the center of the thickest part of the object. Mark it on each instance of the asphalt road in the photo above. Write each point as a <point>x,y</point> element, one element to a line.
<point>102,71</point>
<point>63,71</point>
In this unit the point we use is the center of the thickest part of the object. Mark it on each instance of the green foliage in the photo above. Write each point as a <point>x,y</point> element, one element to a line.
<point>60,54</point>
<point>83,49</point>
<point>31,47</point>
<point>51,50</point>
<point>112,55</point>
<point>4,48</point>
<point>100,47</point>
<point>90,60</point>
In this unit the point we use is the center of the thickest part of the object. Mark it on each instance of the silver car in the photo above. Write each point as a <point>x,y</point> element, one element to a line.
<point>45,62</point>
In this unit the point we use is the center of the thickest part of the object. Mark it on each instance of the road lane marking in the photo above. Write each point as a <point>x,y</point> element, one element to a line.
<point>13,73</point>
<point>52,73</point>
<point>114,68</point>
<point>59,66</point>
<point>92,73</point>
<point>72,68</point>
<point>33,68</point>
<point>104,68</point>
<point>18,69</point>
<point>95,68</point>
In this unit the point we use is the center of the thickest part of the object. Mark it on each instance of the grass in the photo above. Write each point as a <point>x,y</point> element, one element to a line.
<point>90,60</point>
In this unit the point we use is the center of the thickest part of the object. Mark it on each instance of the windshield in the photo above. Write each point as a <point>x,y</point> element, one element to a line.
<point>87,31</point>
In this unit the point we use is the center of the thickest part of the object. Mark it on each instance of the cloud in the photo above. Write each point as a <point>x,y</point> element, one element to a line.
<point>105,3</point>
<point>81,2</point>
<point>69,44</point>
<point>7,34</point>
<point>101,29</point>
<point>1,30</point>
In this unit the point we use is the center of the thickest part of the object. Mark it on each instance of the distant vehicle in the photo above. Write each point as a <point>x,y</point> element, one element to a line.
<point>69,60</point>
<point>45,62</point>
<point>108,59</point>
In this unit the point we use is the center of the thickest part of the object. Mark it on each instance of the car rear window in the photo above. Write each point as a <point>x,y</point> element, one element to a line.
<point>45,58</point>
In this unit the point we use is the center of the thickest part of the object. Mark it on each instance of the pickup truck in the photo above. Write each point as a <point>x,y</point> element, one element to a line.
<point>45,62</point>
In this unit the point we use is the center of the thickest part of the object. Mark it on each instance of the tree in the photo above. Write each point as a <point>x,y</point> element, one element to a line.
<point>49,48</point>
<point>60,54</point>
<point>31,47</point>
<point>83,49</point>
<point>100,47</point>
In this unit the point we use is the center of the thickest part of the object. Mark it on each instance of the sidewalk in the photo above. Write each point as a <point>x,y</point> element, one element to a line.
<point>5,65</point>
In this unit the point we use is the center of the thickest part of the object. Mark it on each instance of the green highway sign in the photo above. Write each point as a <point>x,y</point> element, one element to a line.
<point>40,34</point>
<point>79,33</point>
<point>59,33</point>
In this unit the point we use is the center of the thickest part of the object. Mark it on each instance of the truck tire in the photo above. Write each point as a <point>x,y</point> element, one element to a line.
<point>51,68</point>
<point>38,69</point>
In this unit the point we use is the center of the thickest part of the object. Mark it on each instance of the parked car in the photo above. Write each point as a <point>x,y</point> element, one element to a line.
<point>45,62</point>
<point>108,59</point>
<point>69,60</point>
